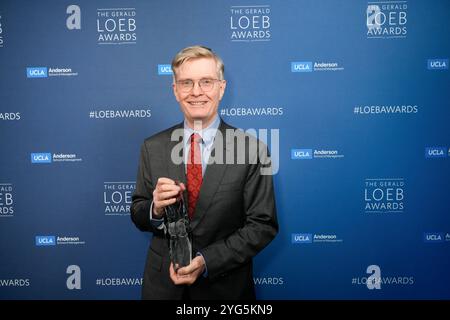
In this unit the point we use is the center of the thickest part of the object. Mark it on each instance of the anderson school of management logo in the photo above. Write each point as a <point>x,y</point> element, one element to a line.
<point>47,157</point>
<point>44,72</point>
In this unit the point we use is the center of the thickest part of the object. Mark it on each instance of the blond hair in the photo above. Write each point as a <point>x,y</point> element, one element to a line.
<point>197,52</point>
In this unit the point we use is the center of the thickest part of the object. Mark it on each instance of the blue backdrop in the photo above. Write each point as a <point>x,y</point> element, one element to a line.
<point>354,96</point>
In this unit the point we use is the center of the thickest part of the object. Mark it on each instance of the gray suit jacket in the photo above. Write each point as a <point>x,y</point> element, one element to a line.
<point>235,218</point>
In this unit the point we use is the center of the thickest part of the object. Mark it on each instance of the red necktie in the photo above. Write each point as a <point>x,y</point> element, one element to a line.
<point>194,173</point>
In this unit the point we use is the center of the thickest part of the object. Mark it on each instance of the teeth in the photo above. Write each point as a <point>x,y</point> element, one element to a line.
<point>197,102</point>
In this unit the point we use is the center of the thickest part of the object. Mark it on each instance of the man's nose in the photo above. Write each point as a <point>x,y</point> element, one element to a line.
<point>197,90</point>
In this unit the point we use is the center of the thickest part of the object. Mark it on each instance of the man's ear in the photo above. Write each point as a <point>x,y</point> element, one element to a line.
<point>175,92</point>
<point>223,85</point>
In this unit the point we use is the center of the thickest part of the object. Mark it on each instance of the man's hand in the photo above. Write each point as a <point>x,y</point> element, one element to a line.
<point>166,193</point>
<point>188,275</point>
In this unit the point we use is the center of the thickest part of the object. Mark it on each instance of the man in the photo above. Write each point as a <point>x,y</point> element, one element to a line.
<point>230,202</point>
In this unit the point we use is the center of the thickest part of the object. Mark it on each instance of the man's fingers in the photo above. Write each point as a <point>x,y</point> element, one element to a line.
<point>165,191</point>
<point>192,267</point>
<point>173,275</point>
<point>185,270</point>
<point>177,279</point>
<point>165,203</point>
<point>167,187</point>
<point>166,195</point>
<point>163,180</point>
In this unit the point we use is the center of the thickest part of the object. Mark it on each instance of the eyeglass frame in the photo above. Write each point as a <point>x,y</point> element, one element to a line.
<point>178,83</point>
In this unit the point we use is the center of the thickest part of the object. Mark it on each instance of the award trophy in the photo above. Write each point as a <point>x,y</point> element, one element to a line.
<point>178,228</point>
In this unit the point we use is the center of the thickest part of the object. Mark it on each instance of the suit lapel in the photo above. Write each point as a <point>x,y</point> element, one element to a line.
<point>176,171</point>
<point>211,180</point>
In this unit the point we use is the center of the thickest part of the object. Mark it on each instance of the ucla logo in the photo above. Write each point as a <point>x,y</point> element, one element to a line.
<point>437,64</point>
<point>301,238</point>
<point>301,67</point>
<point>301,154</point>
<point>37,72</point>
<point>433,237</point>
<point>164,69</point>
<point>435,152</point>
<point>41,157</point>
<point>45,241</point>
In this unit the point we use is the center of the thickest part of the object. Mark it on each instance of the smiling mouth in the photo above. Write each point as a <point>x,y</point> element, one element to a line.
<point>197,103</point>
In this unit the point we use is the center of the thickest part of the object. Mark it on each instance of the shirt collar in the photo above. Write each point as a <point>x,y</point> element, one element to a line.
<point>207,134</point>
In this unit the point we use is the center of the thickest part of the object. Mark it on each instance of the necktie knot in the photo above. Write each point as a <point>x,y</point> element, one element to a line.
<point>195,138</point>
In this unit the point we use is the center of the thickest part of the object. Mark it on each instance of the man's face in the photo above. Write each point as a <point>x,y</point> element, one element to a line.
<point>197,104</point>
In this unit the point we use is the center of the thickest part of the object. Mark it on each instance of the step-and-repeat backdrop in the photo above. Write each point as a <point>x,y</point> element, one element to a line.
<point>351,96</point>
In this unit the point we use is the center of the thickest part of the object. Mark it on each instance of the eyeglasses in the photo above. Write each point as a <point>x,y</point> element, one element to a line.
<point>188,84</point>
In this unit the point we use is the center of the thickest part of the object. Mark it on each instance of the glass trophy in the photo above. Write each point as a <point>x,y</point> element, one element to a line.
<point>178,228</point>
